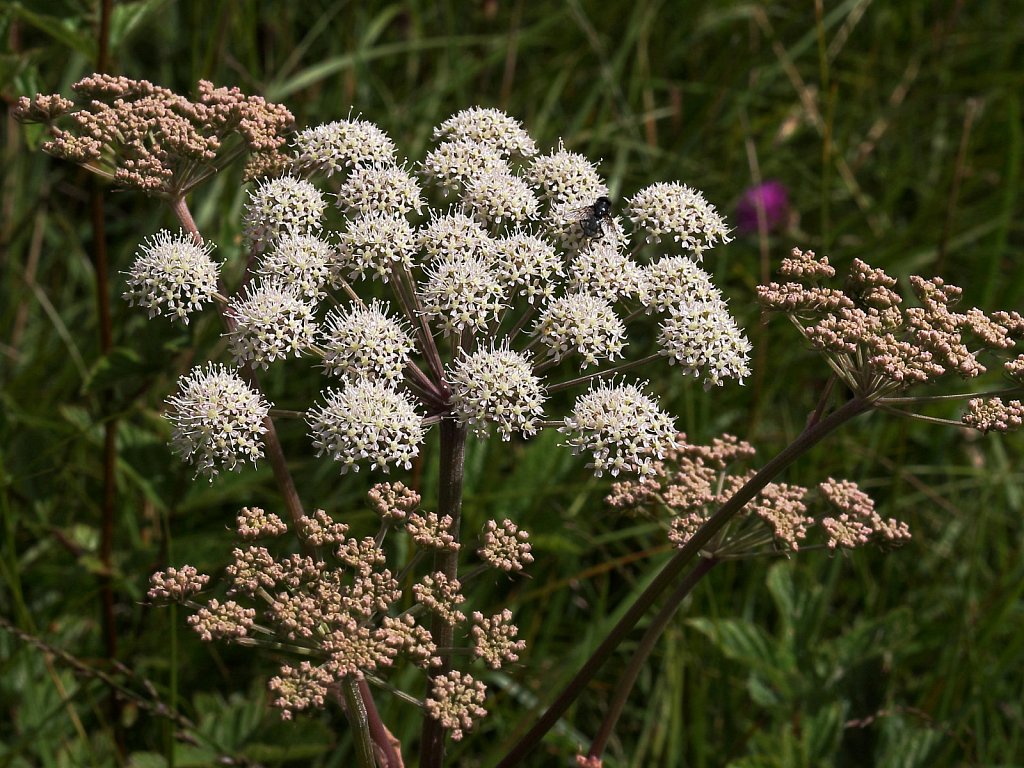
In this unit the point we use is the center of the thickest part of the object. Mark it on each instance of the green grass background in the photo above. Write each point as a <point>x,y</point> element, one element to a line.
<point>896,127</point>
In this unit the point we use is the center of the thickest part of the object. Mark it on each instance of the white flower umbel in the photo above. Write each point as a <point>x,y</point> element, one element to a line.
<point>563,223</point>
<point>680,211</point>
<point>491,127</point>
<point>364,342</point>
<point>566,177</point>
<point>674,280</point>
<point>271,322</point>
<point>172,275</point>
<point>279,206</point>
<point>530,263</point>
<point>702,337</point>
<point>217,420</point>
<point>622,428</point>
<point>379,188</point>
<point>498,197</point>
<point>581,324</point>
<point>602,270</point>
<point>375,244</point>
<point>497,387</point>
<point>454,235</point>
<point>299,261</point>
<point>340,146</point>
<point>366,420</point>
<point>452,163</point>
<point>461,294</point>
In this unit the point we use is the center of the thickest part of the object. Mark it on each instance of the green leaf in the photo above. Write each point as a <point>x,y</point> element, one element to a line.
<point>738,639</point>
<point>127,17</point>
<point>229,723</point>
<point>762,693</point>
<point>823,732</point>
<point>146,760</point>
<point>904,745</point>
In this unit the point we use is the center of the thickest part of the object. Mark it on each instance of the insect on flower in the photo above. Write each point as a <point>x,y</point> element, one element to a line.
<point>592,215</point>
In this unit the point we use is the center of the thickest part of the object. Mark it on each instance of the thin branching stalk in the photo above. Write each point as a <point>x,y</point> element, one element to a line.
<point>406,290</point>
<point>355,710</point>
<point>528,313</point>
<point>599,374</point>
<point>926,399</point>
<point>385,744</point>
<point>107,510</point>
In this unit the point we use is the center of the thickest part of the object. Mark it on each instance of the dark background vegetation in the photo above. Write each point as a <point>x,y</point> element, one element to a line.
<point>897,129</point>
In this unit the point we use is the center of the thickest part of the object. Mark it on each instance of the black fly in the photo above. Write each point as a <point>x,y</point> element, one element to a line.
<point>593,215</point>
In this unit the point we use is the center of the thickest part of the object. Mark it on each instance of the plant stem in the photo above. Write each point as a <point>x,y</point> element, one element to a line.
<point>598,374</point>
<point>947,398</point>
<point>650,639</point>
<point>107,510</point>
<point>184,216</point>
<point>449,502</point>
<point>386,743</point>
<point>355,710</point>
<point>804,442</point>
<point>282,474</point>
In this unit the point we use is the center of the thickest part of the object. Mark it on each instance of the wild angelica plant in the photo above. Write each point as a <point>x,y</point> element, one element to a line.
<point>502,275</point>
<point>502,292</point>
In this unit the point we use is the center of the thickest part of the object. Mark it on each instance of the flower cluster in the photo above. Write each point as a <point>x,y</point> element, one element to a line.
<point>693,481</point>
<point>876,345</point>
<point>993,415</point>
<point>856,522</point>
<point>517,278</point>
<point>342,610</point>
<point>172,274</point>
<point>622,428</point>
<point>146,137</point>
<point>217,419</point>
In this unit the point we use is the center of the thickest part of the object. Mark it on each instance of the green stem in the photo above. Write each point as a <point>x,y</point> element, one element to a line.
<point>386,744</point>
<point>643,650</point>
<point>599,374</point>
<point>803,443</point>
<point>356,712</point>
<point>449,502</point>
<point>945,398</point>
<point>921,417</point>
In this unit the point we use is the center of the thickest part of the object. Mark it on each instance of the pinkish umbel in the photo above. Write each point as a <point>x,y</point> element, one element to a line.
<point>342,610</point>
<point>143,136</point>
<point>693,481</point>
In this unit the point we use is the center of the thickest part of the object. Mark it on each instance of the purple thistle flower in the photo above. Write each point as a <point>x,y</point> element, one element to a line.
<point>773,197</point>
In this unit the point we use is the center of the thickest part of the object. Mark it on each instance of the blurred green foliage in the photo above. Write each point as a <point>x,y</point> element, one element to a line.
<point>897,129</point>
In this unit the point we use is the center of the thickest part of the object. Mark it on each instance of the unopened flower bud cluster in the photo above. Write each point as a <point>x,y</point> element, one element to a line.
<point>142,136</point>
<point>693,481</point>
<point>879,346</point>
<point>341,607</point>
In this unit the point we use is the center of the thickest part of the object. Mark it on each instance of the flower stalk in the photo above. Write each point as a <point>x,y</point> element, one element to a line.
<point>451,476</point>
